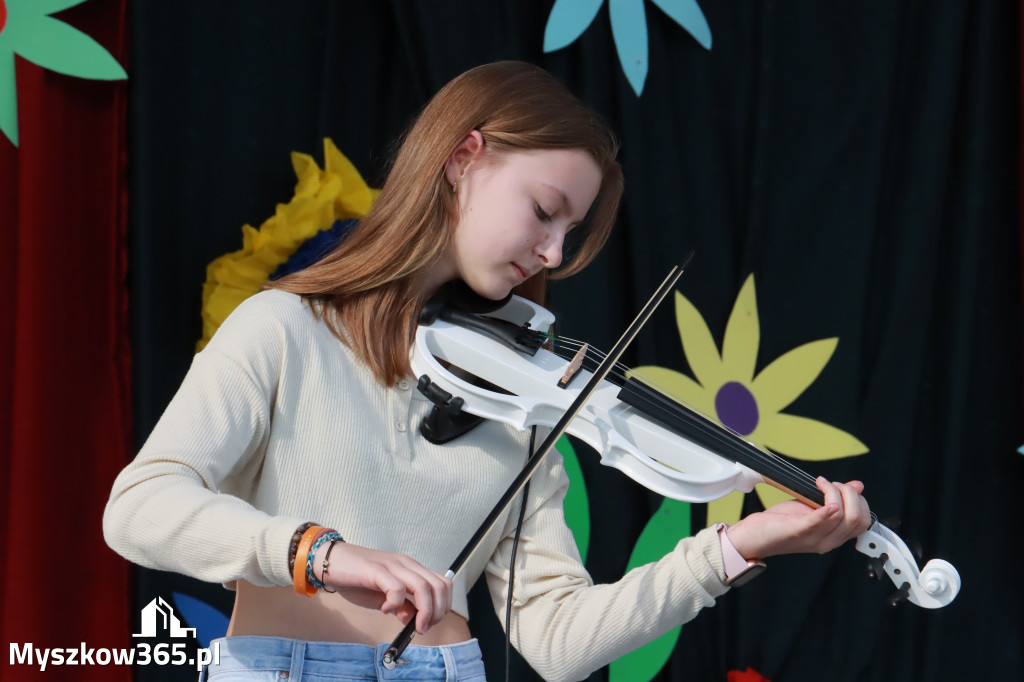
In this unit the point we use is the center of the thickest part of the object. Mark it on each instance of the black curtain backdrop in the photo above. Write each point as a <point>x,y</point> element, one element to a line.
<point>860,159</point>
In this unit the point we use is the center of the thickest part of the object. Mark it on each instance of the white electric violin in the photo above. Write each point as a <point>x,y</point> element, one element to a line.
<point>503,365</point>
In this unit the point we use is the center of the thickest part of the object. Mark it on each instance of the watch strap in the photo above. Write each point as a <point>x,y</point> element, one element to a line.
<point>738,570</point>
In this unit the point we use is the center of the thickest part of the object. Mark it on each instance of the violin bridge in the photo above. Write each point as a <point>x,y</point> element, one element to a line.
<point>575,365</point>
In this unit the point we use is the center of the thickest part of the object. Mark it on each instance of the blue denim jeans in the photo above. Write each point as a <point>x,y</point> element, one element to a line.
<point>273,659</point>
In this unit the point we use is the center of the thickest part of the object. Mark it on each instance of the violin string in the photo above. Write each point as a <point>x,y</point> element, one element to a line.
<point>622,373</point>
<point>712,434</point>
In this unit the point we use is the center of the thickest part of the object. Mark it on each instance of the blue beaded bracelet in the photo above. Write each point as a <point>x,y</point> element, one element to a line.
<point>326,537</point>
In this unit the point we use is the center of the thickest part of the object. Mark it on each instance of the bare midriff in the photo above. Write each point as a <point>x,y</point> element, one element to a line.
<point>324,617</point>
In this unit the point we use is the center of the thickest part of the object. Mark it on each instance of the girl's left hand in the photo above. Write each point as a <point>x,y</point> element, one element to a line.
<point>794,527</point>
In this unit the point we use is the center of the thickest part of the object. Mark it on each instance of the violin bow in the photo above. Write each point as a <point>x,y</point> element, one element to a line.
<point>404,638</point>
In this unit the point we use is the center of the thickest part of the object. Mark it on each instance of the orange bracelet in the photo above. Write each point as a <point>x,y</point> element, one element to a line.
<point>302,585</point>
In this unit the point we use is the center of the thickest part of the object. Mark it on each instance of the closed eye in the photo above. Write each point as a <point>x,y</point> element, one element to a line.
<point>541,213</point>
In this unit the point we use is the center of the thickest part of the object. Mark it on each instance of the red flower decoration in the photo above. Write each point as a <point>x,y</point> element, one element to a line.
<point>748,675</point>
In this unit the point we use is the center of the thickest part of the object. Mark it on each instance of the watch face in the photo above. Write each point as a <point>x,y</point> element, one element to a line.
<point>753,570</point>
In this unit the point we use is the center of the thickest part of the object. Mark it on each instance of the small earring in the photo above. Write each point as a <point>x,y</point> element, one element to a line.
<point>453,188</point>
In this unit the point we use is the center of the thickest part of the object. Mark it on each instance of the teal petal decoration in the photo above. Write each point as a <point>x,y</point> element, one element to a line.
<point>59,47</point>
<point>8,97</point>
<point>567,22</point>
<point>577,504</point>
<point>687,13</point>
<point>570,18</point>
<point>46,6</point>
<point>49,43</point>
<point>629,29</point>
<point>667,527</point>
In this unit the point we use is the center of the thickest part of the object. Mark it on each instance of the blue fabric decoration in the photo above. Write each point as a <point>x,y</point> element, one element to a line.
<point>315,248</point>
<point>208,621</point>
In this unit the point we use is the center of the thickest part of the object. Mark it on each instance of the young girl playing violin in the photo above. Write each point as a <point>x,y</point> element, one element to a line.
<point>290,468</point>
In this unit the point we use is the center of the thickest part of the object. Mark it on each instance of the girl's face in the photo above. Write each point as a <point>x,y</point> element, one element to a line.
<point>515,209</point>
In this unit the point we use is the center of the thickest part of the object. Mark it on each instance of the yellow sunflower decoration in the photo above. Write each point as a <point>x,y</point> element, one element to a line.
<point>322,197</point>
<point>727,389</point>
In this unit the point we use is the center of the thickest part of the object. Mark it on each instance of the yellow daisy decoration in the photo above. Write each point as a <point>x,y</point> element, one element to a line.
<point>727,389</point>
<point>338,192</point>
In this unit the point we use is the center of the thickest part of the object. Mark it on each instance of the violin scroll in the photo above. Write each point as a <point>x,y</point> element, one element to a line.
<point>933,587</point>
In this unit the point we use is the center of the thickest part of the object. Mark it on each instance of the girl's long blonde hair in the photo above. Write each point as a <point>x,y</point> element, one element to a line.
<point>366,290</point>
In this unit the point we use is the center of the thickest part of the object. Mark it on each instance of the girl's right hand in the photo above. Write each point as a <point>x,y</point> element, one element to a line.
<point>391,583</point>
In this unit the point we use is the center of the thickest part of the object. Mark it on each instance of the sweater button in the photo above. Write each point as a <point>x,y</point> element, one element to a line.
<point>403,384</point>
<point>400,425</point>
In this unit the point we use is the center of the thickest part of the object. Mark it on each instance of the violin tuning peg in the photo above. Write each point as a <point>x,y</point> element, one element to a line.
<point>901,594</point>
<point>876,565</point>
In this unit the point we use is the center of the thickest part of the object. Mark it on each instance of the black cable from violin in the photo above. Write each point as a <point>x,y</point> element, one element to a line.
<point>512,565</point>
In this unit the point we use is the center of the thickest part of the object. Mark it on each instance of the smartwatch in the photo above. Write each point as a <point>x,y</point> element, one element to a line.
<point>738,570</point>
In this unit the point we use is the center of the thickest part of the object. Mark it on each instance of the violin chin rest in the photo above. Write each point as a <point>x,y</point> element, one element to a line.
<point>457,294</point>
<point>464,298</point>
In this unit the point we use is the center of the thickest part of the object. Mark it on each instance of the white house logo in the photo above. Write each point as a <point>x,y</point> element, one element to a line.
<point>159,614</point>
<point>157,617</point>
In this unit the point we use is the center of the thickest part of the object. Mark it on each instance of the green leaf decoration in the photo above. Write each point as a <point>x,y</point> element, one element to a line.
<point>59,47</point>
<point>577,504</point>
<point>667,527</point>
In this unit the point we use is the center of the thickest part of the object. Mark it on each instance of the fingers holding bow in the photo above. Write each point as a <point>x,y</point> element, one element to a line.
<point>391,583</point>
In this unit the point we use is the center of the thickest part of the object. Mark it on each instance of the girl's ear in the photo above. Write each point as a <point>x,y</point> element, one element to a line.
<point>467,151</point>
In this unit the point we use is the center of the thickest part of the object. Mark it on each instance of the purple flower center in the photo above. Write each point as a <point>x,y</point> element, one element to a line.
<point>737,408</point>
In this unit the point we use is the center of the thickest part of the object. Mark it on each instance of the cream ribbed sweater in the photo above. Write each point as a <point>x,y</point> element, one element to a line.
<point>277,423</point>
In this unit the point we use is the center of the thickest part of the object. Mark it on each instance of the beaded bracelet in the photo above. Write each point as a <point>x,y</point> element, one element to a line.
<point>333,536</point>
<point>293,546</point>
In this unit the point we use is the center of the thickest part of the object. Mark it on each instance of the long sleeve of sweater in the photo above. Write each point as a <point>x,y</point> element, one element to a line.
<point>178,506</point>
<point>565,626</point>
